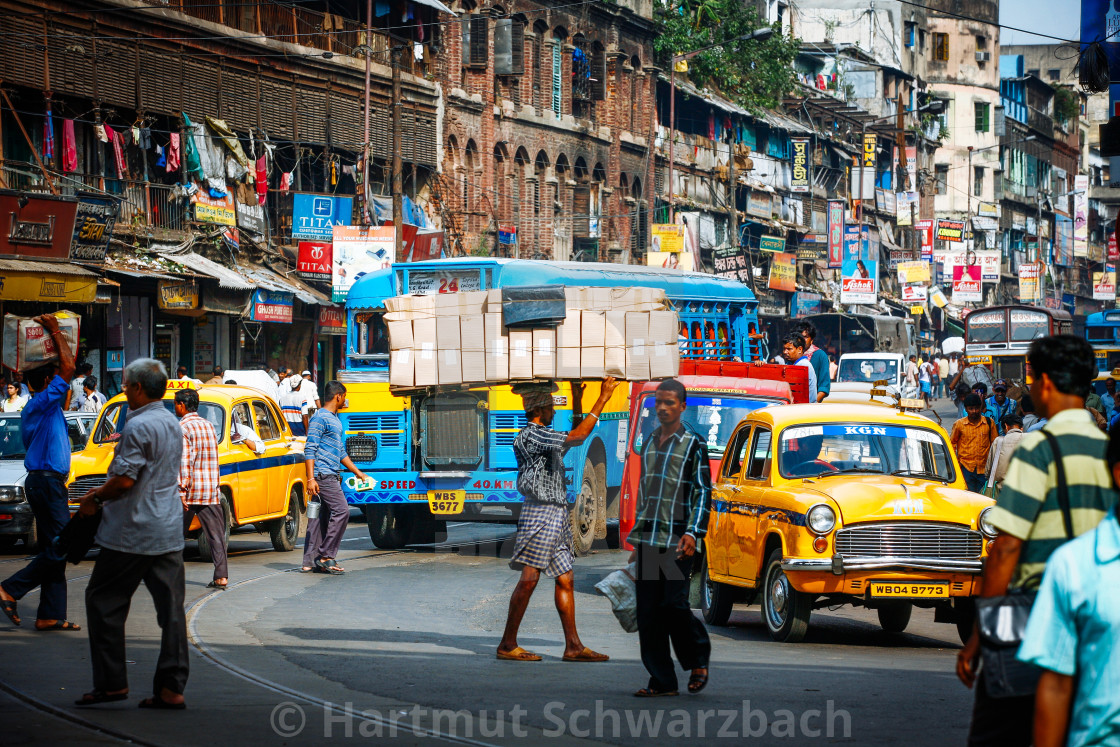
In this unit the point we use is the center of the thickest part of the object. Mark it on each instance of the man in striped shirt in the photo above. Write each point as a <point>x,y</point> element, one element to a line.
<point>673,505</point>
<point>1028,517</point>
<point>324,457</point>
<point>198,481</point>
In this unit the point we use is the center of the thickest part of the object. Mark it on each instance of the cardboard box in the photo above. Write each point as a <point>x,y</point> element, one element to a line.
<point>493,301</point>
<point>599,299</point>
<point>664,361</point>
<point>411,307</point>
<point>427,366</point>
<point>447,333</point>
<point>592,362</point>
<point>402,367</point>
<point>450,364</point>
<point>664,327</point>
<point>592,329</point>
<point>614,362</point>
<point>474,366</point>
<point>400,335</point>
<point>575,298</point>
<point>568,363</point>
<point>568,332</point>
<point>497,348</point>
<point>473,302</point>
<point>446,304</point>
<point>615,334</point>
<point>521,354</point>
<point>472,333</point>
<point>544,354</point>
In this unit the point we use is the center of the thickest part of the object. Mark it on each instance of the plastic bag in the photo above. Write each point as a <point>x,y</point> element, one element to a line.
<point>27,344</point>
<point>620,589</point>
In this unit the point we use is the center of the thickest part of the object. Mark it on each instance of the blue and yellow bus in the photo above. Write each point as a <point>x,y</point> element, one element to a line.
<point>437,454</point>
<point>1102,330</point>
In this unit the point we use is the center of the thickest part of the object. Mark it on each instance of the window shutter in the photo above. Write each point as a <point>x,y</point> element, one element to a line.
<point>581,209</point>
<point>509,47</point>
<point>598,75</point>
<point>479,40</point>
<point>517,47</point>
<point>556,80</point>
<point>466,43</point>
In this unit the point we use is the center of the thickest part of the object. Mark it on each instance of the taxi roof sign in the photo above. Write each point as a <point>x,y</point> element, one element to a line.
<point>176,384</point>
<point>911,404</point>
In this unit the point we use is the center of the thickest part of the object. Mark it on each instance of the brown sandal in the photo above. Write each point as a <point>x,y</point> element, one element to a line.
<point>518,654</point>
<point>587,655</point>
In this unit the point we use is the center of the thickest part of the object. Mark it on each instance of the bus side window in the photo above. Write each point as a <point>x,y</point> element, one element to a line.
<point>724,341</point>
<point>377,335</point>
<point>696,341</point>
<point>709,340</point>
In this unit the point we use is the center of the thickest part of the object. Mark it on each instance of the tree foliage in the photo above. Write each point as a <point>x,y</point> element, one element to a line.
<point>754,74</point>
<point>1067,104</point>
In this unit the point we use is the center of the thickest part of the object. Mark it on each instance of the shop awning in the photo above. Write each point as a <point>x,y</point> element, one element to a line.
<point>49,282</point>
<point>269,279</point>
<point>226,277</point>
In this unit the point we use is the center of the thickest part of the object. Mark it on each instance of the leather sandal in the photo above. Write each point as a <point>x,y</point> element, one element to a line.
<point>100,696</point>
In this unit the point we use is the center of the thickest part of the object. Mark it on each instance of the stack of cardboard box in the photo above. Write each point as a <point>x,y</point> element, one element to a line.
<point>460,338</point>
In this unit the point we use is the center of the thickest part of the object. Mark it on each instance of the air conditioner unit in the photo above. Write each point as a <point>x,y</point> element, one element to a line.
<point>983,56</point>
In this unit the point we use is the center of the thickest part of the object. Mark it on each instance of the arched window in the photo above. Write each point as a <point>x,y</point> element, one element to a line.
<point>563,174</point>
<point>540,30</point>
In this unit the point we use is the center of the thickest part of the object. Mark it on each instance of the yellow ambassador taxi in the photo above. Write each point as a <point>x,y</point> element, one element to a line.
<point>264,489</point>
<point>826,504</point>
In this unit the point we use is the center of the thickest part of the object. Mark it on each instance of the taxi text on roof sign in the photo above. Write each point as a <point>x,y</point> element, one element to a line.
<point>174,384</point>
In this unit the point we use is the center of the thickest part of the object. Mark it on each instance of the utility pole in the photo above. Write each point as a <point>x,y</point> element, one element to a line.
<point>363,206</point>
<point>398,208</point>
<point>732,212</point>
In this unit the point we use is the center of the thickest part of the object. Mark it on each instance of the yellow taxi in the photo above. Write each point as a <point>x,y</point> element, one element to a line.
<point>264,487</point>
<point>828,504</point>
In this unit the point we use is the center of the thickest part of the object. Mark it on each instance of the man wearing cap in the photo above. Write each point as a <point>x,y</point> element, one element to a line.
<point>544,529</point>
<point>294,405</point>
<point>309,390</point>
<point>999,404</point>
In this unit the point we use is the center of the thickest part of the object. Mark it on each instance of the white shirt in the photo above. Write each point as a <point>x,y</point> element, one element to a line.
<point>78,397</point>
<point>93,403</point>
<point>309,391</point>
<point>925,372</point>
<point>804,361</point>
<point>293,403</point>
<point>911,373</point>
<point>8,406</point>
<point>247,433</point>
<point>953,367</point>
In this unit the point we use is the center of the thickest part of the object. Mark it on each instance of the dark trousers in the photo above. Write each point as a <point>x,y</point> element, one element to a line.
<point>108,598</point>
<point>324,533</point>
<point>665,617</point>
<point>297,428</point>
<point>1000,722</point>
<point>46,494</point>
<point>213,521</point>
<point>974,480</point>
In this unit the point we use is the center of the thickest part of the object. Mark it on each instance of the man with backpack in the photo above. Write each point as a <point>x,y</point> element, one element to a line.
<point>972,439</point>
<point>1058,486</point>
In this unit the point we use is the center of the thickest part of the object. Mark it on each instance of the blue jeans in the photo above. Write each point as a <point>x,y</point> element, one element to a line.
<point>974,480</point>
<point>46,494</point>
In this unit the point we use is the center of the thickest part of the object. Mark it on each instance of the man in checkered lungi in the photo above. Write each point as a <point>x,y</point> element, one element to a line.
<point>544,531</point>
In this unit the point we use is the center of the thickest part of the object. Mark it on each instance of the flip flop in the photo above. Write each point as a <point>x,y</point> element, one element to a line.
<point>697,682</point>
<point>160,704</point>
<point>518,654</point>
<point>9,608</point>
<point>100,696</point>
<point>649,692</point>
<point>216,585</point>
<point>60,625</point>
<point>328,566</point>
<point>587,655</point>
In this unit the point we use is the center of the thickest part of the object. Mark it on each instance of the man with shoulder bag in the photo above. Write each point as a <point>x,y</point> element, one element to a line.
<point>1058,486</point>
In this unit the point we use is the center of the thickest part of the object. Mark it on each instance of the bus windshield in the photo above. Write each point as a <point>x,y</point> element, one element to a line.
<point>824,450</point>
<point>987,326</point>
<point>713,418</point>
<point>1028,325</point>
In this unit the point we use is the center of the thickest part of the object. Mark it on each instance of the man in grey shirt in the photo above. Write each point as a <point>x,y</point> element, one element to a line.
<point>141,539</point>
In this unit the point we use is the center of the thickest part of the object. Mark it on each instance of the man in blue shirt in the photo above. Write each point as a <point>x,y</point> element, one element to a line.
<point>47,461</point>
<point>324,457</point>
<point>818,359</point>
<point>1108,399</point>
<point>999,404</point>
<point>1074,635</point>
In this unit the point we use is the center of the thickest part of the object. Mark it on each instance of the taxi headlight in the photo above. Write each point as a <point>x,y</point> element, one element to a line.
<point>11,494</point>
<point>821,519</point>
<point>985,522</point>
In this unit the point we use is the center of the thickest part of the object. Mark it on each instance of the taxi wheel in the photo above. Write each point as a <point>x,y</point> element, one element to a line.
<point>895,616</point>
<point>583,512</point>
<point>784,609</point>
<point>284,532</point>
<point>204,549</point>
<point>716,599</point>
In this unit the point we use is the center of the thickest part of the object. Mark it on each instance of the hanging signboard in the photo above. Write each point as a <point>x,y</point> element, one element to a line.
<point>217,210</point>
<point>177,295</point>
<point>804,304</point>
<point>913,272</point>
<point>359,250</point>
<point>950,230</point>
<point>271,306</point>
<point>332,320</point>
<point>772,244</point>
<point>93,226</point>
<point>668,237</point>
<point>859,281</point>
<point>507,234</point>
<point>36,226</point>
<point>799,177</point>
<point>967,285</point>
<point>925,238</point>
<point>1104,284</point>
<point>853,248</point>
<point>314,260</point>
<point>315,216</point>
<point>900,256</point>
<point>989,261</point>
<point>1030,276</point>
<point>1113,253</point>
<point>760,203</point>
<point>906,207</point>
<point>869,156</point>
<point>783,272</point>
<point>730,262</point>
<point>1081,211</point>
<point>835,225</point>
<point>914,293</point>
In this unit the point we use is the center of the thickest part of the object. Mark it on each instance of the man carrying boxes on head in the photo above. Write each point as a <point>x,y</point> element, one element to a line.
<point>544,530</point>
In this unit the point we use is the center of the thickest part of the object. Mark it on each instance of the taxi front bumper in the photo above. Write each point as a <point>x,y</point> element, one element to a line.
<point>839,565</point>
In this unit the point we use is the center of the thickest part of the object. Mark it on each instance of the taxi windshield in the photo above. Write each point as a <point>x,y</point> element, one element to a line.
<point>867,370</point>
<point>713,418</point>
<point>114,415</point>
<point>873,448</point>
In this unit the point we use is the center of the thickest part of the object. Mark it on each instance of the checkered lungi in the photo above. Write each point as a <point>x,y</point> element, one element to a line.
<point>544,539</point>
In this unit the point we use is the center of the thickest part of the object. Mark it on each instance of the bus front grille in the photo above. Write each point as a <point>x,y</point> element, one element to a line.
<point>453,430</point>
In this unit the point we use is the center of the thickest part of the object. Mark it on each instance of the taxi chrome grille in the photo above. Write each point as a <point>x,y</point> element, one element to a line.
<point>83,485</point>
<point>909,540</point>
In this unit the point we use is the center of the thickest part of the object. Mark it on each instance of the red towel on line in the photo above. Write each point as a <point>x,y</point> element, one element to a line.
<point>69,148</point>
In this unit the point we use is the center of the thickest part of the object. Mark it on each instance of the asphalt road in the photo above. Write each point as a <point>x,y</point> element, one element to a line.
<point>402,647</point>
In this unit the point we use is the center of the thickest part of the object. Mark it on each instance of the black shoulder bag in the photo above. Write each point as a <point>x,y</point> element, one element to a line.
<point>1001,621</point>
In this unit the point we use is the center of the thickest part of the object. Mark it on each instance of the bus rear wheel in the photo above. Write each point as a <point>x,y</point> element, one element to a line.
<point>584,512</point>
<point>390,527</point>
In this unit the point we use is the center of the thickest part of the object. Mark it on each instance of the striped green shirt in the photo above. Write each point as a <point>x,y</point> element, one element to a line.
<point>1027,507</point>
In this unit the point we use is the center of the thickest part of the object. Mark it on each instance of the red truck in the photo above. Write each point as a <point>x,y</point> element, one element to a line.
<point>720,394</point>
